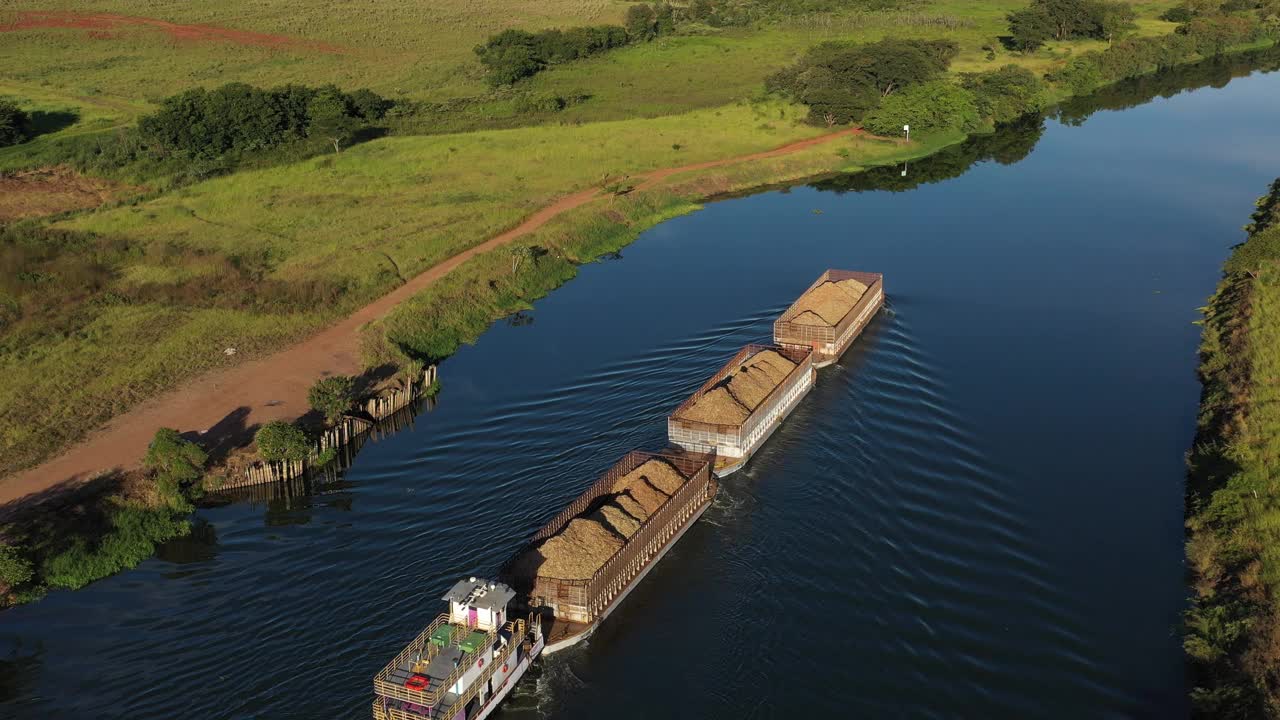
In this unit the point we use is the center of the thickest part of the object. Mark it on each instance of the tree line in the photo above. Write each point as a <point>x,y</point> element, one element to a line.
<point>887,84</point>
<point>239,118</point>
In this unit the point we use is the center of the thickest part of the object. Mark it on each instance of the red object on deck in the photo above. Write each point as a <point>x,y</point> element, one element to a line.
<point>417,682</point>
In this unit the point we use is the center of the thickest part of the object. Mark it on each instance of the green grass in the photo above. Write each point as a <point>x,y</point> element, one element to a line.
<point>1233,548</point>
<point>355,224</point>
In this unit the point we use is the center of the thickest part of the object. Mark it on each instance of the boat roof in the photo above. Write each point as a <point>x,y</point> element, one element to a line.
<point>480,594</point>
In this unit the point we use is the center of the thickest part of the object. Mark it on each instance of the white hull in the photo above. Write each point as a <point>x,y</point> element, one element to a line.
<point>737,464</point>
<point>496,699</point>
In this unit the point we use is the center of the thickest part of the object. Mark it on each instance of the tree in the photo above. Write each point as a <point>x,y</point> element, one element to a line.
<point>1029,29</point>
<point>332,396</point>
<point>176,464</point>
<point>331,117</point>
<point>664,19</point>
<point>1006,94</point>
<point>369,105</point>
<point>641,23</point>
<point>931,106</point>
<point>15,124</point>
<point>840,82</point>
<point>279,441</point>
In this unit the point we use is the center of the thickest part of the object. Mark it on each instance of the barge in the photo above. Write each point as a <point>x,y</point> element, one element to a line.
<point>831,314</point>
<point>736,411</point>
<point>578,568</point>
<point>464,663</point>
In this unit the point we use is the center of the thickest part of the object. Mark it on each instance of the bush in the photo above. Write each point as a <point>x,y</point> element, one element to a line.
<point>279,441</point>
<point>332,396</point>
<point>177,465</point>
<point>1006,94</point>
<point>926,107</point>
<point>15,570</point>
<point>133,538</point>
<point>15,124</point>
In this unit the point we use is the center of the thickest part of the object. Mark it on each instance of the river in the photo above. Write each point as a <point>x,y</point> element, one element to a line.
<point>977,513</point>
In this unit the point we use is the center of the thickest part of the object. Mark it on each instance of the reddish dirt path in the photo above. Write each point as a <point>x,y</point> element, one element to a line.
<point>275,387</point>
<point>100,26</point>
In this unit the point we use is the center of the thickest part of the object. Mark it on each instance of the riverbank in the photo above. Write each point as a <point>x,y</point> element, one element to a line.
<point>488,285</point>
<point>1233,502</point>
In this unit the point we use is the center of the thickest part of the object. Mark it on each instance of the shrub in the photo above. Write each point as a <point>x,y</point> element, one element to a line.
<point>332,396</point>
<point>279,441</point>
<point>931,106</point>
<point>15,124</point>
<point>133,538</point>
<point>15,570</point>
<point>176,464</point>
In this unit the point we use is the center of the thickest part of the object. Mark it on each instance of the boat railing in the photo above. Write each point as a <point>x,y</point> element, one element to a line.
<point>786,331</point>
<point>698,434</point>
<point>516,628</point>
<point>384,686</point>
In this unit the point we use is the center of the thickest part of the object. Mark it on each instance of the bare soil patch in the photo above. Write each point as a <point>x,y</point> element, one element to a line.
<point>35,193</point>
<point>101,26</point>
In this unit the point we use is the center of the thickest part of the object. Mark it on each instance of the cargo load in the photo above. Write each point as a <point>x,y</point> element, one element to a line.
<point>830,314</point>
<point>583,562</point>
<point>741,405</point>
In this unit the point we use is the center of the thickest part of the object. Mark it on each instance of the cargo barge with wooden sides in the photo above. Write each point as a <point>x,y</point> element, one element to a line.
<point>464,663</point>
<point>580,566</point>
<point>736,411</point>
<point>831,314</point>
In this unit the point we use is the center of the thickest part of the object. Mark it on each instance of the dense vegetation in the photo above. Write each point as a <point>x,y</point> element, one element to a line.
<point>1203,37</point>
<point>1233,506</point>
<point>99,531</point>
<point>15,123</point>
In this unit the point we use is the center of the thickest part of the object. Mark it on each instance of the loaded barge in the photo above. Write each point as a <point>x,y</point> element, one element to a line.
<point>831,314</point>
<point>579,567</point>
<point>735,411</point>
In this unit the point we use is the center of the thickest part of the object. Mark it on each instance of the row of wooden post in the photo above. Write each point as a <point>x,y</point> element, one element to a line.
<point>345,432</point>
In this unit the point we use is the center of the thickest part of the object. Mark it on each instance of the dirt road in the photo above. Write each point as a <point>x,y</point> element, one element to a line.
<point>225,402</point>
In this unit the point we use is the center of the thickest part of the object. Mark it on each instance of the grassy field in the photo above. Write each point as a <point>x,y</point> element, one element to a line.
<point>1233,550</point>
<point>263,257</point>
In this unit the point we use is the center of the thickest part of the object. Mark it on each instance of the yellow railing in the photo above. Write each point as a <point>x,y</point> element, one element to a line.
<point>382,685</point>
<point>516,628</point>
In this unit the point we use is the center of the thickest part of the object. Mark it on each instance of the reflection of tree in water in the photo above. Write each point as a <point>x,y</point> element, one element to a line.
<point>1215,72</point>
<point>1007,145</point>
<point>19,669</point>
<point>1013,142</point>
<point>200,545</point>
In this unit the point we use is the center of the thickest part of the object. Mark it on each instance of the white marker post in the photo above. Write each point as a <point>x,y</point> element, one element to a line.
<point>907,129</point>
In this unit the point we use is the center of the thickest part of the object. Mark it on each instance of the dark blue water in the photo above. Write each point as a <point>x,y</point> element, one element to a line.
<point>977,513</point>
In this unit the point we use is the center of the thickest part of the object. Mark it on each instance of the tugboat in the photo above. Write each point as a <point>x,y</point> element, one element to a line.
<point>464,663</point>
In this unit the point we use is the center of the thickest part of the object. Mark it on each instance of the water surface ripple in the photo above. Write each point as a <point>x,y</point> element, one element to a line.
<point>976,513</point>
